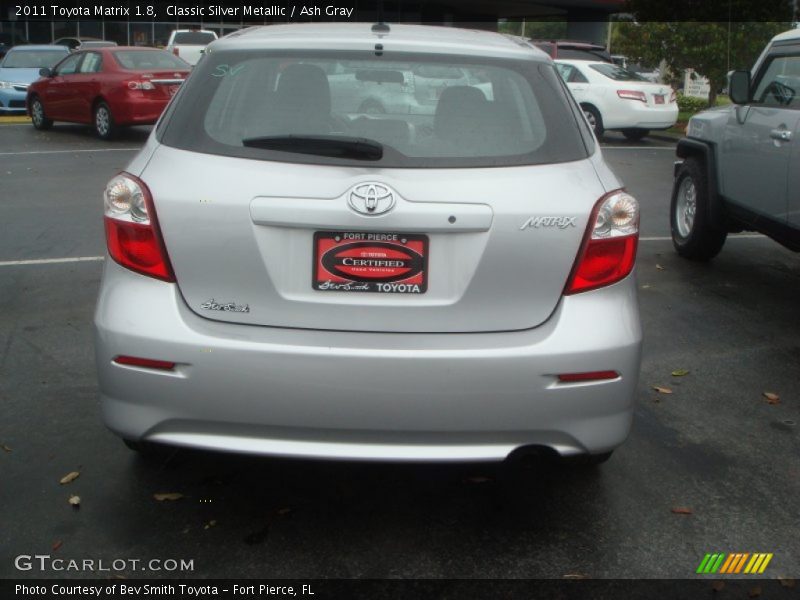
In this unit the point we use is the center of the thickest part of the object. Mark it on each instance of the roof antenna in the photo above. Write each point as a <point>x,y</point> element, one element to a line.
<point>380,27</point>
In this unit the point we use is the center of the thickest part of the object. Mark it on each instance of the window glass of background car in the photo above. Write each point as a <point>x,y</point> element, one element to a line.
<point>780,83</point>
<point>616,72</point>
<point>70,65</point>
<point>570,73</point>
<point>31,59</point>
<point>494,114</point>
<point>193,38</point>
<point>91,63</point>
<point>145,60</point>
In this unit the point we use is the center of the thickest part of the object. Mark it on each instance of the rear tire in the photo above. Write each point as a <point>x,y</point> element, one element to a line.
<point>594,119</point>
<point>103,122</point>
<point>635,135</point>
<point>38,118</point>
<point>692,234</point>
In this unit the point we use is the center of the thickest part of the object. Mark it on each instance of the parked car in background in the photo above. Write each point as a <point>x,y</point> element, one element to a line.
<point>9,40</point>
<point>614,98</point>
<point>190,43</point>
<point>573,49</point>
<point>107,88</point>
<point>19,68</point>
<point>83,43</point>
<point>283,280</point>
<point>739,166</point>
<point>387,89</point>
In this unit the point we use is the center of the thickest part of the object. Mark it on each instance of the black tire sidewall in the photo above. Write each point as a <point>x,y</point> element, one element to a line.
<point>111,127</point>
<point>598,128</point>
<point>45,123</point>
<point>703,241</point>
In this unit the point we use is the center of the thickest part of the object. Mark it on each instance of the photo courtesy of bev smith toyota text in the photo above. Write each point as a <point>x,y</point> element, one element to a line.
<point>369,298</point>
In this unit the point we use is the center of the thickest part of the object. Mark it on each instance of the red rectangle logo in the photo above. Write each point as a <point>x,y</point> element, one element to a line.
<point>357,261</point>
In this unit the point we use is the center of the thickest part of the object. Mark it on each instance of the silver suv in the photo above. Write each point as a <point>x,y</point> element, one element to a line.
<point>287,277</point>
<point>740,167</point>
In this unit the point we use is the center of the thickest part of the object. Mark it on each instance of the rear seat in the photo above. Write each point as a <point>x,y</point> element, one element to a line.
<point>393,132</point>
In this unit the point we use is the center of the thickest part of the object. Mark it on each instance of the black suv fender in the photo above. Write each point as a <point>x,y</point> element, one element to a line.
<point>691,147</point>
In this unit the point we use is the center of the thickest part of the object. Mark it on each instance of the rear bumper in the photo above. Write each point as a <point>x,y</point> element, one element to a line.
<point>139,111</point>
<point>303,393</point>
<point>636,115</point>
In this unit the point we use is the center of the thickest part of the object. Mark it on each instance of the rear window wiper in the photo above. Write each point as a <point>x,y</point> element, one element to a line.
<point>334,146</point>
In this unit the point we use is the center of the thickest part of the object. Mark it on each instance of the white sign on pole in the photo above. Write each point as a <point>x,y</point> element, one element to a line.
<point>695,85</point>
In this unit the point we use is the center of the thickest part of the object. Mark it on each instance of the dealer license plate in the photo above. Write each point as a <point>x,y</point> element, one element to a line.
<point>357,261</point>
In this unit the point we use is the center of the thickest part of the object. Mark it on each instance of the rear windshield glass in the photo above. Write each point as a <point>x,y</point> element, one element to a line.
<point>617,73</point>
<point>422,111</point>
<point>193,38</point>
<point>148,60</point>
<point>31,59</point>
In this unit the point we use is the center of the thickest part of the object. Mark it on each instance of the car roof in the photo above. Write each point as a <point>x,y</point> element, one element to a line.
<point>426,39</point>
<point>792,34</point>
<point>581,61</point>
<point>37,47</point>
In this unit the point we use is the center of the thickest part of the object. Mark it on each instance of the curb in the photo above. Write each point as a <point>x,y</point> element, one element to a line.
<point>13,120</point>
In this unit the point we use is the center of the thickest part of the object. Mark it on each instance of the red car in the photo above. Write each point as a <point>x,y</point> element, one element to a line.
<point>106,88</point>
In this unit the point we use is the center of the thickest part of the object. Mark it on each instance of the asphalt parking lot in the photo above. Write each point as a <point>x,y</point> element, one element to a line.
<point>711,467</point>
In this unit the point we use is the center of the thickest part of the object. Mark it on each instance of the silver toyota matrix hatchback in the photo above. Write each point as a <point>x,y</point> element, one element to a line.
<point>356,241</point>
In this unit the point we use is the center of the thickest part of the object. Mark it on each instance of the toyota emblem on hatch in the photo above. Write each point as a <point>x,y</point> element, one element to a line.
<point>371,199</point>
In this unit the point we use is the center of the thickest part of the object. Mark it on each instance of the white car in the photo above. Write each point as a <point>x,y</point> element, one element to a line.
<point>190,43</point>
<point>614,98</point>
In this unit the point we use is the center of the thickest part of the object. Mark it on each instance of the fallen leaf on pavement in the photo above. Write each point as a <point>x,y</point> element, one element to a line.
<point>75,501</point>
<point>56,545</point>
<point>210,524</point>
<point>682,510</point>
<point>772,398</point>
<point>69,477</point>
<point>754,592</point>
<point>787,582</point>
<point>168,496</point>
<point>659,267</point>
<point>5,448</point>
<point>718,586</point>
<point>662,390</point>
<point>680,373</point>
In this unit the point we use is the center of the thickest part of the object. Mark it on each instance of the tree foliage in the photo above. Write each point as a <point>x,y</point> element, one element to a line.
<point>710,48</point>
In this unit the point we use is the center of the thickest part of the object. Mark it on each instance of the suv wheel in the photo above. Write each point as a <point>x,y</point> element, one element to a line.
<point>635,135</point>
<point>103,122</point>
<point>38,118</point>
<point>692,234</point>
<point>594,119</point>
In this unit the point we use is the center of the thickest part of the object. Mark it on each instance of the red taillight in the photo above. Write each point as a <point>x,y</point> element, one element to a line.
<point>632,95</point>
<point>132,233</point>
<point>147,363</point>
<point>608,252</point>
<point>591,376</point>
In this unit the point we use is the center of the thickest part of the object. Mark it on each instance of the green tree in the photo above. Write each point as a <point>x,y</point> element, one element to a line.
<point>715,37</point>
